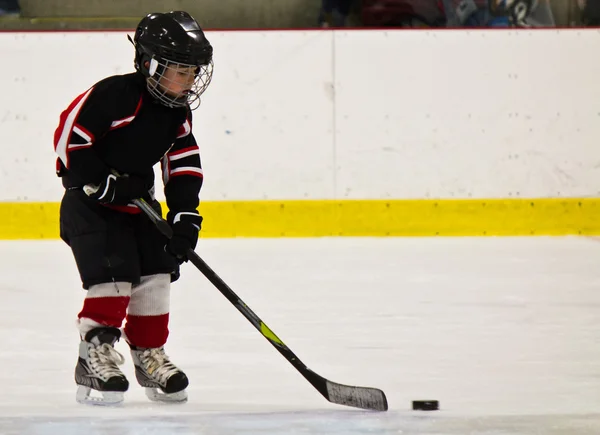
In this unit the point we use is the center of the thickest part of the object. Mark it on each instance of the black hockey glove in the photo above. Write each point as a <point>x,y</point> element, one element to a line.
<point>186,226</point>
<point>118,189</point>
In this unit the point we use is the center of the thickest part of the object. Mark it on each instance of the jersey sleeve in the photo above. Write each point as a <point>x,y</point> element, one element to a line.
<point>182,172</point>
<point>105,106</point>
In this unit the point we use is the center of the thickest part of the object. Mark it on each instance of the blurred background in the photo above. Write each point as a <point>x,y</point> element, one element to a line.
<point>270,14</point>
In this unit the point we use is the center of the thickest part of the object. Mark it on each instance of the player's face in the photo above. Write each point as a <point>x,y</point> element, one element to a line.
<point>177,80</point>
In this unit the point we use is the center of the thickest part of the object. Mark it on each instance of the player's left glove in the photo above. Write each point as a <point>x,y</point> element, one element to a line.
<point>186,226</point>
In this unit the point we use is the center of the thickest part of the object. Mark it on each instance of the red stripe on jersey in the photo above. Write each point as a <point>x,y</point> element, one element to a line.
<point>184,129</point>
<point>124,208</point>
<point>192,173</point>
<point>108,311</point>
<point>147,331</point>
<point>185,150</point>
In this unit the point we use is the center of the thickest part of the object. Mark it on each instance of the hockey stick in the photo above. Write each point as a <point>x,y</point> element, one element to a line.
<point>358,397</point>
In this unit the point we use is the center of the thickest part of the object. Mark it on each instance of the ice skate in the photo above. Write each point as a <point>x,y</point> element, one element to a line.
<point>163,381</point>
<point>97,368</point>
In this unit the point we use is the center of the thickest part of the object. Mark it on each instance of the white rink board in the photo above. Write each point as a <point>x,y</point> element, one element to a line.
<point>468,114</point>
<point>266,122</point>
<point>414,114</point>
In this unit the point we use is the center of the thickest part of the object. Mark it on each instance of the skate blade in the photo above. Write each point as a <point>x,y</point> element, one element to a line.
<point>107,398</point>
<point>158,396</point>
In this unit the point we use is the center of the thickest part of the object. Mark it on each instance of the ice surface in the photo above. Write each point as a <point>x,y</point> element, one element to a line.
<point>504,332</point>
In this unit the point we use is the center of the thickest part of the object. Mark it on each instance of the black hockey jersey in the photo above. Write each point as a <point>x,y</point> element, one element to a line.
<point>117,125</point>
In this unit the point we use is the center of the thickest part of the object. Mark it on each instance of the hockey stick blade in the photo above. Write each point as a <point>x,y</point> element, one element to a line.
<point>368,398</point>
<point>358,397</point>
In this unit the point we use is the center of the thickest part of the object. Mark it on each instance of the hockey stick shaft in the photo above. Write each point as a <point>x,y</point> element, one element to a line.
<point>360,397</point>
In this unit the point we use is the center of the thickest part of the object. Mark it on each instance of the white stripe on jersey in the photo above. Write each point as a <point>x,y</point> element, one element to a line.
<point>165,170</point>
<point>122,121</point>
<point>184,155</point>
<point>82,145</point>
<point>82,133</point>
<point>61,146</point>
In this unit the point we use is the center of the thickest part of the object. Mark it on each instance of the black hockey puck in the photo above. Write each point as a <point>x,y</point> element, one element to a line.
<point>425,405</point>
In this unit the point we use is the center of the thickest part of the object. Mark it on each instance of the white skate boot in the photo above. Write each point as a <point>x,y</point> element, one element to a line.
<point>163,381</point>
<point>97,368</point>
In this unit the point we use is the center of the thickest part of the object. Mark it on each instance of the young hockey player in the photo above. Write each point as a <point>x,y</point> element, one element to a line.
<point>108,141</point>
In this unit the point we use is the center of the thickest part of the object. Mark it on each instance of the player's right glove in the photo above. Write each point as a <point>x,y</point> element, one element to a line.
<point>186,226</point>
<point>117,189</point>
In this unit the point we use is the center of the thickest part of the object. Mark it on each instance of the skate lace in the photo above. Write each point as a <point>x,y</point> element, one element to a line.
<point>104,360</point>
<point>158,365</point>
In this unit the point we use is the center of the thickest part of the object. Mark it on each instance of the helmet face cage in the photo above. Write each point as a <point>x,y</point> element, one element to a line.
<point>176,84</point>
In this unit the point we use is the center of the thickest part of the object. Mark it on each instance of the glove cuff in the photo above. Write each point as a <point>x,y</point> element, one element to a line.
<point>187,217</point>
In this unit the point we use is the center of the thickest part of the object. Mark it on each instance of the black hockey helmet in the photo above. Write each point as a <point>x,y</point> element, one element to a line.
<point>173,40</point>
